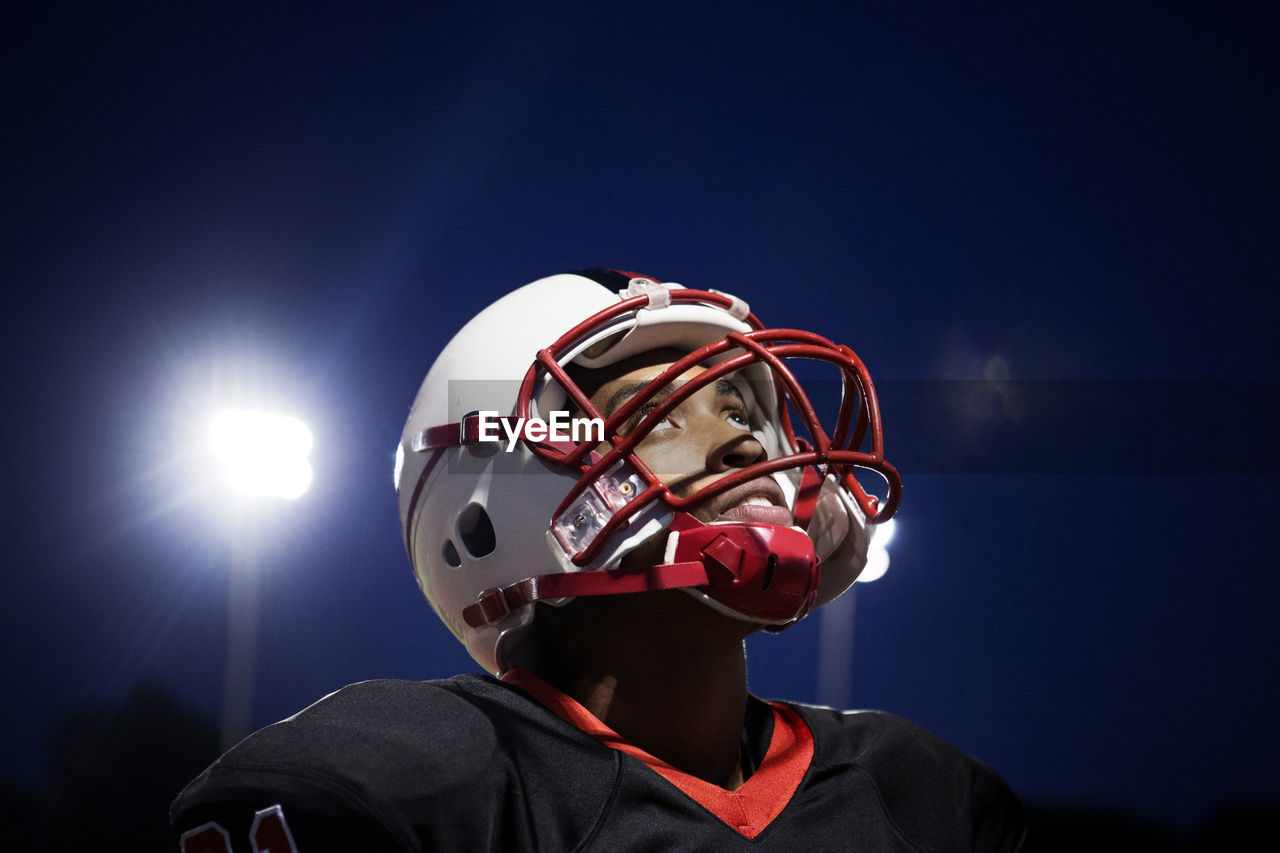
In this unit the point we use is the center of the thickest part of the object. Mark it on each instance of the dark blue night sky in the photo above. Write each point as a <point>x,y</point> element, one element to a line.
<point>301,203</point>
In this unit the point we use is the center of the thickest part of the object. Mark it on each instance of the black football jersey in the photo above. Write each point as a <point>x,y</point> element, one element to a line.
<point>473,763</point>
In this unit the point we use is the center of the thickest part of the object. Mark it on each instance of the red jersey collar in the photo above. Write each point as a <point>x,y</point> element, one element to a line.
<point>748,810</point>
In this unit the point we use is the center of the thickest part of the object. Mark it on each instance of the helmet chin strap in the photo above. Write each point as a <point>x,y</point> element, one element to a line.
<point>761,572</point>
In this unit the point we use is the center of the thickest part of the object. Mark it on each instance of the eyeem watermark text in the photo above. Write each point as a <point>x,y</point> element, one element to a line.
<point>559,427</point>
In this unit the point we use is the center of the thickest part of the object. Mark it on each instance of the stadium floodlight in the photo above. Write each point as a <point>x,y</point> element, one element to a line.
<point>261,453</point>
<point>835,628</point>
<point>255,454</point>
<point>878,553</point>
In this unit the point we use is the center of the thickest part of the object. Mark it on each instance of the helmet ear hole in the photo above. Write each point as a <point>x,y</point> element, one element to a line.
<point>476,531</point>
<point>450,554</point>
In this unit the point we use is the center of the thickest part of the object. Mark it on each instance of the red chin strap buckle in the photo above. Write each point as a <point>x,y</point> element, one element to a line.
<point>765,572</point>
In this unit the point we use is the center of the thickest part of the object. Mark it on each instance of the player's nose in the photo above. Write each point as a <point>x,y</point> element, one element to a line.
<point>730,449</point>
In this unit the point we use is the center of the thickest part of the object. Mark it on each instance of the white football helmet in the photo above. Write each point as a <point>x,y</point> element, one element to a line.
<point>492,528</point>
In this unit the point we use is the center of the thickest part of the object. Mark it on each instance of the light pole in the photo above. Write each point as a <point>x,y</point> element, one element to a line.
<point>835,631</point>
<point>259,456</point>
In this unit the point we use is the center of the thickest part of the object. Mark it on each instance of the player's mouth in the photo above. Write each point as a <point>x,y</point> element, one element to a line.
<point>758,501</point>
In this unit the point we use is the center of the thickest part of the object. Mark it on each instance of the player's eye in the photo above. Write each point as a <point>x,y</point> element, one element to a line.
<point>644,412</point>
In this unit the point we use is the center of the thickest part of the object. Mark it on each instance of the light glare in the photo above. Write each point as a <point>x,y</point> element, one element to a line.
<point>878,553</point>
<point>262,454</point>
<point>877,565</point>
<point>884,534</point>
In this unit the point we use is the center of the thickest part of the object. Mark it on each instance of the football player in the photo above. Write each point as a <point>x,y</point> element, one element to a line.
<point>606,483</point>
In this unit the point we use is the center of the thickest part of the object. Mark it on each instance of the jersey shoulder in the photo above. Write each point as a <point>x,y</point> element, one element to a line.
<point>932,791</point>
<point>397,764</point>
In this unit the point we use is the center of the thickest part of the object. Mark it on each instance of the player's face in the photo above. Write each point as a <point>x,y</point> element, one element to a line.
<point>705,438</point>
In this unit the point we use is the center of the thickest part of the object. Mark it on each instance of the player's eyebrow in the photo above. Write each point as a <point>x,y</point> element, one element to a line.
<point>629,390</point>
<point>724,386</point>
<point>626,392</point>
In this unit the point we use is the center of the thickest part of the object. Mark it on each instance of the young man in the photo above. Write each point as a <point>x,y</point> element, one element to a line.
<point>606,483</point>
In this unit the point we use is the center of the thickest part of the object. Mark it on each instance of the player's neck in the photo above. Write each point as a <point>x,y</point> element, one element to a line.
<point>663,671</point>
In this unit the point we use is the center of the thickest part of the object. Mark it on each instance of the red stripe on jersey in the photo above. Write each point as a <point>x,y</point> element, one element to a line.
<point>747,810</point>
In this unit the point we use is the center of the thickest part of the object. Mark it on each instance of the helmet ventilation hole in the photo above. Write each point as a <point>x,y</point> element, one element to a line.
<point>475,529</point>
<point>768,572</point>
<point>451,556</point>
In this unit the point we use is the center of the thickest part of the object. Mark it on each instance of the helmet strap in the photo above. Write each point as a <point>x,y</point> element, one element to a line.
<point>761,572</point>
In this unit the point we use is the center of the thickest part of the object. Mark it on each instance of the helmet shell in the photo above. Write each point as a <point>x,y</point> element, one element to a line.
<point>476,517</point>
